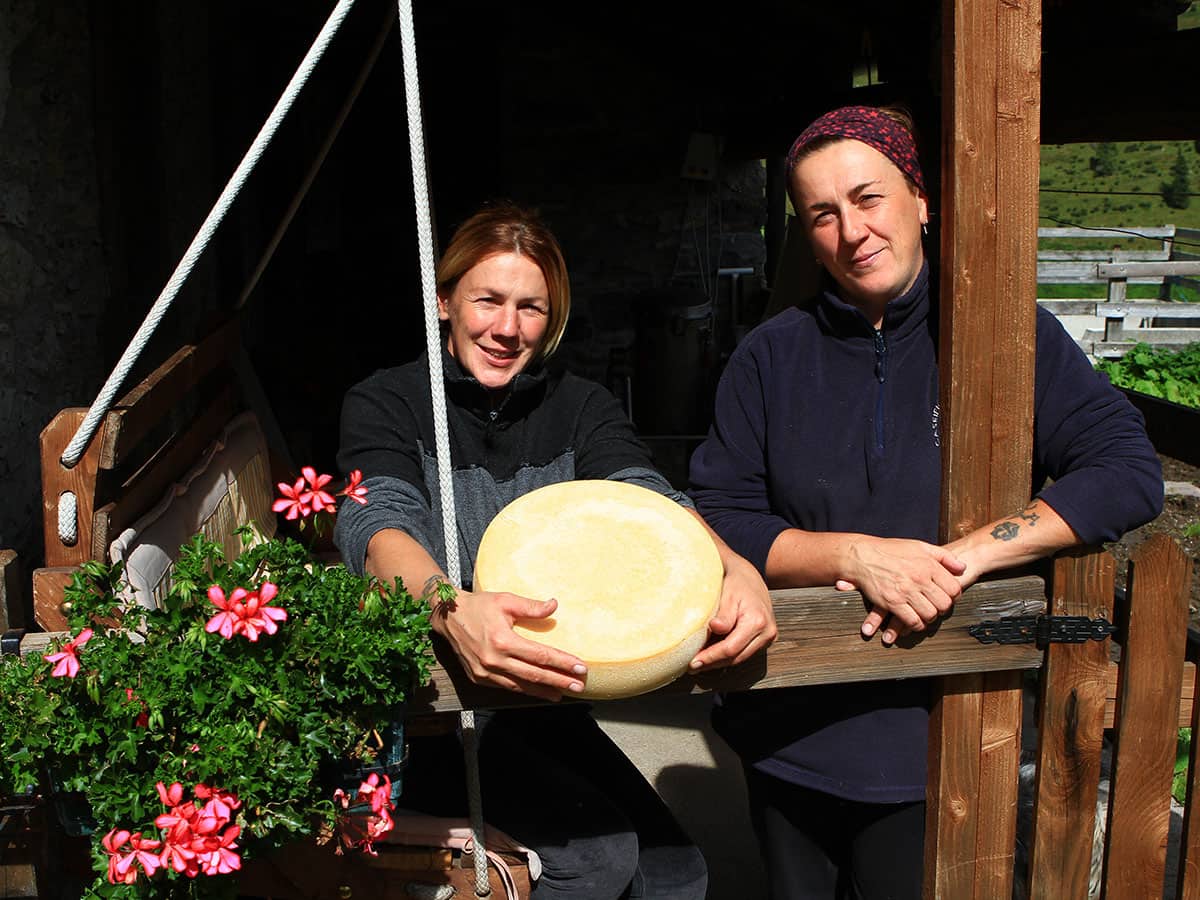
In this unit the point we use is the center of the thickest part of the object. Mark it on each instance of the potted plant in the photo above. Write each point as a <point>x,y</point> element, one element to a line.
<point>207,729</point>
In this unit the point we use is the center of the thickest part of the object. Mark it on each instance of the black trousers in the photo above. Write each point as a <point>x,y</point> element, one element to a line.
<point>552,779</point>
<point>820,847</point>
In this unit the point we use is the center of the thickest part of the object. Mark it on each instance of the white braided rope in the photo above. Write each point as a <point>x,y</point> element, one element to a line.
<point>68,515</point>
<point>416,144</point>
<point>108,393</point>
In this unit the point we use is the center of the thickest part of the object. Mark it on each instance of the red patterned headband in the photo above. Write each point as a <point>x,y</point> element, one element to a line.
<point>872,127</point>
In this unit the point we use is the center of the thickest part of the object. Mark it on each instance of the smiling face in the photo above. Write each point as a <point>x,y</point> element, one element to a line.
<point>498,312</point>
<point>864,220</point>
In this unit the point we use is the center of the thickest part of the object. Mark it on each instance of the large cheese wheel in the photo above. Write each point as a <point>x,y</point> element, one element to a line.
<point>636,578</point>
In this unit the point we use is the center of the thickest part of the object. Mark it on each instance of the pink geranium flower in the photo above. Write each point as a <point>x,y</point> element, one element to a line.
<point>259,616</point>
<point>229,620</point>
<point>142,848</point>
<point>354,489</point>
<point>316,498</point>
<point>247,613</point>
<point>120,860</point>
<point>218,856</point>
<point>363,829</point>
<point>220,804</point>
<point>66,660</point>
<point>293,503</point>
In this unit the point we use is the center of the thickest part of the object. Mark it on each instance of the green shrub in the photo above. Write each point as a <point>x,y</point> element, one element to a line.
<point>1170,374</point>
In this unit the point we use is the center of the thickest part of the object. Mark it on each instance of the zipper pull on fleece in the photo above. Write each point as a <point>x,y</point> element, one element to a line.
<point>880,356</point>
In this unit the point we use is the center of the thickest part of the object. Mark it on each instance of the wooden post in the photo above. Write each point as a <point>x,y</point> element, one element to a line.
<point>990,133</point>
<point>57,479</point>
<point>1147,713</point>
<point>1070,733</point>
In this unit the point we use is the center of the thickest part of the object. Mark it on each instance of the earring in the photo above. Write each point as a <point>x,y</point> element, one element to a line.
<point>925,228</point>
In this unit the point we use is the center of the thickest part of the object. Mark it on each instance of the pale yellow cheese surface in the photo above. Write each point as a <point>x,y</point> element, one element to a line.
<point>636,577</point>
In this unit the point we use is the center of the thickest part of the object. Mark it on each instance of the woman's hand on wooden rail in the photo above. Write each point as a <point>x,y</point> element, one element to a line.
<point>909,584</point>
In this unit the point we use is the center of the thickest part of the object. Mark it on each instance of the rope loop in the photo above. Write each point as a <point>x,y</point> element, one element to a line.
<point>68,516</point>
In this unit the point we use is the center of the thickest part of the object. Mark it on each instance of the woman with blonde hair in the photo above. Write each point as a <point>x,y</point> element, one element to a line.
<point>550,776</point>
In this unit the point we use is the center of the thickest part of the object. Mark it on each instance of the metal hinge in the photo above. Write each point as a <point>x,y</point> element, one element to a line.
<point>1042,630</point>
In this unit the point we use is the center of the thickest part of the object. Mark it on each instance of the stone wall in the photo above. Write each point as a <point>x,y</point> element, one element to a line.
<point>53,286</point>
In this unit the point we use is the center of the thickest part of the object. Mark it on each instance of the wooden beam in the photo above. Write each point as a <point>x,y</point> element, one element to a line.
<point>1070,733</point>
<point>1147,705</point>
<point>990,135</point>
<point>819,643</point>
<point>57,480</point>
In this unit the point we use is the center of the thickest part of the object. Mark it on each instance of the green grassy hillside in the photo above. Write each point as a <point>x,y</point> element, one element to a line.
<point>1130,195</point>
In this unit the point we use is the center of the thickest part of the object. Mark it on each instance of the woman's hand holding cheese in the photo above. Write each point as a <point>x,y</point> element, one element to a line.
<point>745,620</point>
<point>478,626</point>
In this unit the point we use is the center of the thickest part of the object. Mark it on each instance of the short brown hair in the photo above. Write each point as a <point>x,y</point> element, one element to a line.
<point>508,228</point>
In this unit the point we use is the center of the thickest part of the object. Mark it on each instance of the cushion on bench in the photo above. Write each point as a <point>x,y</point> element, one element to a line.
<point>229,487</point>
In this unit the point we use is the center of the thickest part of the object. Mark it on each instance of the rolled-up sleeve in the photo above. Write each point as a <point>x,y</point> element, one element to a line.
<point>379,437</point>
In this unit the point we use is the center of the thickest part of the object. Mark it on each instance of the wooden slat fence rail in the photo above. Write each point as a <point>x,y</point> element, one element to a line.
<point>819,643</point>
<point>1124,322</point>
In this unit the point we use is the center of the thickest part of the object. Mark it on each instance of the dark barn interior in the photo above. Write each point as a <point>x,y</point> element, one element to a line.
<point>650,136</point>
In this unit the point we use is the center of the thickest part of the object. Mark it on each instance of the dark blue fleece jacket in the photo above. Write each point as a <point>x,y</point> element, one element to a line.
<point>824,424</point>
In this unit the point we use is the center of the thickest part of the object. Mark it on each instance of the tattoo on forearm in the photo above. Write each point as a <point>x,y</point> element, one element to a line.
<point>1007,530</point>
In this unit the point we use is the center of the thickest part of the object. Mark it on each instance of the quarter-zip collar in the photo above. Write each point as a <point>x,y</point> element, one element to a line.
<point>523,392</point>
<point>904,314</point>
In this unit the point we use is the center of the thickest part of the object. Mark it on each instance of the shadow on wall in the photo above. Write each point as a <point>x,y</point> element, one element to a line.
<point>671,742</point>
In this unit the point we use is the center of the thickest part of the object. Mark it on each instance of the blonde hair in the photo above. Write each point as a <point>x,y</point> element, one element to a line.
<point>508,228</point>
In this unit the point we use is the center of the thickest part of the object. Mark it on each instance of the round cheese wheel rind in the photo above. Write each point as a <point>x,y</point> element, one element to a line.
<point>636,578</point>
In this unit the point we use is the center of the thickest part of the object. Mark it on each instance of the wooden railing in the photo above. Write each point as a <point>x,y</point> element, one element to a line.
<point>1124,321</point>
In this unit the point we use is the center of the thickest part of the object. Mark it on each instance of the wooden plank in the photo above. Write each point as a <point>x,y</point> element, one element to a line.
<point>1132,270</point>
<point>1157,232</point>
<point>819,643</point>
<point>1186,695</point>
<point>144,487</point>
<point>999,765</point>
<point>951,826</point>
<point>1150,308</point>
<point>1102,255</point>
<point>57,479</point>
<point>48,587</point>
<point>150,401</point>
<point>1187,885</point>
<point>1070,733</point>
<point>1147,703</point>
<point>1071,307</point>
<point>12,591</point>
<point>990,133</point>
<point>969,249</point>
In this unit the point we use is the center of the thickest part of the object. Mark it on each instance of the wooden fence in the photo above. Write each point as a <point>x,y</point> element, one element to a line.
<point>1124,322</point>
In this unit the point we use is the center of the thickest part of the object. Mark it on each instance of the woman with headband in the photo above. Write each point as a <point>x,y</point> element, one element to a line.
<point>823,467</point>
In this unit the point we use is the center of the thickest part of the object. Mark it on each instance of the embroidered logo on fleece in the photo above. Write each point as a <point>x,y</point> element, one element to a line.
<point>936,423</point>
